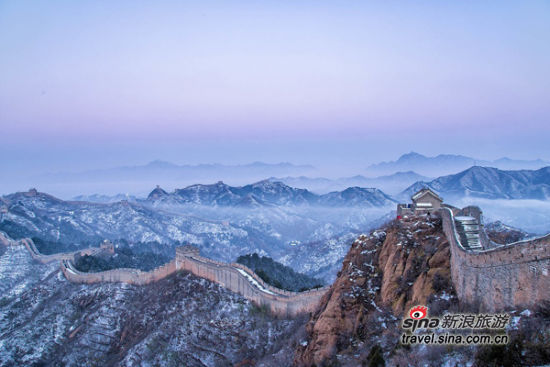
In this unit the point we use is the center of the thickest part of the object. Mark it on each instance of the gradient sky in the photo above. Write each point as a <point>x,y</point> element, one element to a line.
<point>88,84</point>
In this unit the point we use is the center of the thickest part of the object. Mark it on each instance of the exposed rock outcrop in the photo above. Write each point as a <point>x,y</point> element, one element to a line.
<point>383,275</point>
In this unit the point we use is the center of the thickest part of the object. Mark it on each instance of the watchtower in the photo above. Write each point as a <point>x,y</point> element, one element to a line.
<point>424,201</point>
<point>183,253</point>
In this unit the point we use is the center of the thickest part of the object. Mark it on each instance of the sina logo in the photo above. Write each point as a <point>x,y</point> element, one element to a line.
<point>418,312</point>
<point>418,319</point>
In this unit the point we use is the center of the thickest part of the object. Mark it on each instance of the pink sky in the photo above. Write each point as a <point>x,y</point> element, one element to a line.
<point>240,81</point>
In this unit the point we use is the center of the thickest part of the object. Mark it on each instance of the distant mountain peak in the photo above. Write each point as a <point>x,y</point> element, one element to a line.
<point>411,155</point>
<point>478,168</point>
<point>157,163</point>
<point>157,193</point>
<point>32,192</point>
<point>269,183</point>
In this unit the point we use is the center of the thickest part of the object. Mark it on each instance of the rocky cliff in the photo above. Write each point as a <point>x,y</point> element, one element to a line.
<point>384,274</point>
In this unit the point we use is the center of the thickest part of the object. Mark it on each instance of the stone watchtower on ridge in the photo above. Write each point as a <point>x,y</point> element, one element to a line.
<point>424,201</point>
<point>107,246</point>
<point>185,252</point>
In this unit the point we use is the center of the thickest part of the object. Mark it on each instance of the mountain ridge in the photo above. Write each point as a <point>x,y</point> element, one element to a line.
<point>445,164</point>
<point>490,183</point>
<point>391,184</point>
<point>269,193</point>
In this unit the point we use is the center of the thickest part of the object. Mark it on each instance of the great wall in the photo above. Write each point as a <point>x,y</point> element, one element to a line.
<point>497,276</point>
<point>235,277</point>
<point>494,276</point>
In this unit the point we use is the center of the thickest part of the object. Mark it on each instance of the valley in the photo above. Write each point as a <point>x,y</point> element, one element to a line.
<point>290,225</point>
<point>372,268</point>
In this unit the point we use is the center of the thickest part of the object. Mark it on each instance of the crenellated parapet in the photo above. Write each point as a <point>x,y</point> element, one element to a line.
<point>120,275</point>
<point>235,277</point>
<point>240,279</point>
<point>45,259</point>
<point>513,275</point>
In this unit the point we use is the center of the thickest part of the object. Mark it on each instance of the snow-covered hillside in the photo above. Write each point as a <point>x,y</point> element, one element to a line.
<point>181,320</point>
<point>222,232</point>
<point>267,193</point>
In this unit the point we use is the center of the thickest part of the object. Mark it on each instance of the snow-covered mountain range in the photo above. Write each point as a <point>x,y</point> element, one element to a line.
<point>98,198</point>
<point>490,183</point>
<point>223,221</point>
<point>268,193</point>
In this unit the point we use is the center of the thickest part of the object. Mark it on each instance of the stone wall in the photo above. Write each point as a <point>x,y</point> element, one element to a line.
<point>509,276</point>
<point>5,240</point>
<point>131,276</point>
<point>279,301</point>
<point>44,259</point>
<point>235,277</point>
<point>123,275</point>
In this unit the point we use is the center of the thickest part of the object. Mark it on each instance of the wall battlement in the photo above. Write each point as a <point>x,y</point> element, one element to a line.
<point>122,275</point>
<point>502,277</point>
<point>235,277</point>
<point>44,259</point>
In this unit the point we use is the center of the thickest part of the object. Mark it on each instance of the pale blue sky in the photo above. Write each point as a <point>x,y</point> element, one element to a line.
<point>336,83</point>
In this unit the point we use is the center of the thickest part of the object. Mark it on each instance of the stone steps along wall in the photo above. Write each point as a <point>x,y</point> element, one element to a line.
<point>475,211</point>
<point>278,301</point>
<point>513,275</point>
